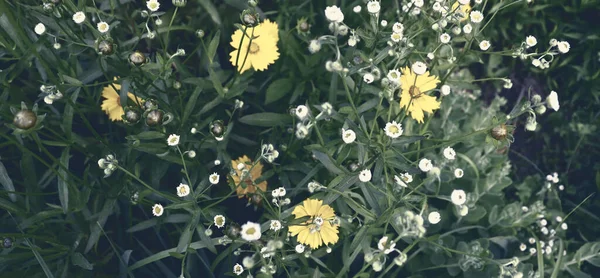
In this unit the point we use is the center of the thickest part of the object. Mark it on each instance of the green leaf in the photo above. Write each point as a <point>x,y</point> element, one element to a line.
<point>146,135</point>
<point>166,253</point>
<point>266,119</point>
<point>71,80</point>
<point>278,89</point>
<point>63,183</point>
<point>95,226</point>
<point>328,162</point>
<point>216,81</point>
<point>212,11</point>
<point>7,182</point>
<point>172,218</point>
<point>68,114</point>
<point>79,260</point>
<point>190,105</point>
<point>188,232</point>
<point>212,47</point>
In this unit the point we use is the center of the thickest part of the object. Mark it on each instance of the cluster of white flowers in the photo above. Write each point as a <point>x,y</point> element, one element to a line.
<point>410,224</point>
<point>279,193</point>
<point>403,180</point>
<point>314,186</point>
<point>50,94</point>
<point>269,153</point>
<point>108,164</point>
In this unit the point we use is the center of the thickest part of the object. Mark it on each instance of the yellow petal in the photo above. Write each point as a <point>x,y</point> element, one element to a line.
<point>300,211</point>
<point>416,113</point>
<point>326,212</point>
<point>271,28</point>
<point>296,229</point>
<point>427,103</point>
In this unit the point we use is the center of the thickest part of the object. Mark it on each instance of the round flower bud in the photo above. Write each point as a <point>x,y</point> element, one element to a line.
<point>179,3</point>
<point>303,25</point>
<point>7,243</point>
<point>150,104</point>
<point>105,47</point>
<point>132,116</point>
<point>177,85</point>
<point>25,119</point>
<point>217,129</point>
<point>499,132</point>
<point>200,33</point>
<point>249,18</point>
<point>137,58</point>
<point>154,118</point>
<point>233,231</point>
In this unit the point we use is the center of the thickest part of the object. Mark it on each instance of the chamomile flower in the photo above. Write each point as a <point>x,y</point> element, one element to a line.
<point>458,173</point>
<point>173,140</point>
<point>348,136</point>
<point>334,14</point>
<point>275,225</point>
<point>398,27</point>
<point>386,245</point>
<point>251,231</point>
<point>449,153</point>
<point>214,178</point>
<point>365,175</point>
<point>396,37</point>
<point>393,130</point>
<point>531,41</point>
<point>157,210</point>
<point>458,197</point>
<point>467,29</point>
<point>425,165</point>
<point>434,217</point>
<point>302,112</point>
<point>219,221</point>
<point>368,78</point>
<point>238,269</point>
<point>373,7</point>
<point>484,45</point>
<point>445,38</point>
<point>79,17</point>
<point>394,76</point>
<point>152,5</point>
<point>183,190</point>
<point>40,29</point>
<point>103,27</point>
<point>476,16</point>
<point>403,180</point>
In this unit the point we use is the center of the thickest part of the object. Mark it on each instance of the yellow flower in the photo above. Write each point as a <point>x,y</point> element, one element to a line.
<point>464,10</point>
<point>112,102</point>
<point>259,53</point>
<point>413,97</point>
<point>243,170</point>
<point>318,229</point>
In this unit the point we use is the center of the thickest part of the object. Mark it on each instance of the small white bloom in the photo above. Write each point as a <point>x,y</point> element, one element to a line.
<point>152,5</point>
<point>531,240</point>
<point>522,247</point>
<point>275,225</point>
<point>552,101</point>
<point>449,153</point>
<point>561,187</point>
<point>403,180</point>
<point>373,7</point>
<point>425,165</point>
<point>157,210</point>
<point>536,63</point>
<point>458,173</point>
<point>275,193</point>
<point>445,38</point>
<point>302,112</point>
<point>314,46</point>
<point>251,231</point>
<point>398,27</point>
<point>352,41</point>
<point>183,190</point>
<point>430,56</point>
<point>396,37</point>
<point>365,175</point>
<point>484,45</point>
<point>464,2</point>
<point>434,217</point>
<point>248,262</point>
<point>348,136</point>
<point>377,266</point>
<point>563,46</point>
<point>173,140</point>
<point>507,83</point>
<point>79,17</point>
<point>467,28</point>
<point>543,222</point>
<point>386,245</point>
<point>419,68</point>
<point>458,197</point>
<point>40,29</point>
<point>463,210</point>
<point>103,27</point>
<point>393,129</point>
<point>219,221</point>
<point>334,14</point>
<point>217,162</point>
<point>368,78</point>
<point>394,76</point>
<point>214,178</point>
<point>476,16</point>
<point>299,248</point>
<point>281,191</point>
<point>564,226</point>
<point>544,230</point>
<point>357,9</point>
<point>238,269</point>
<point>445,90</point>
<point>301,131</point>
<point>559,219</point>
<point>530,41</point>
<point>384,23</point>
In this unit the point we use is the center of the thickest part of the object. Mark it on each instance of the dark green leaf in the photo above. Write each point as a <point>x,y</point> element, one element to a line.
<point>266,119</point>
<point>79,260</point>
<point>190,105</point>
<point>63,180</point>
<point>278,89</point>
<point>7,182</point>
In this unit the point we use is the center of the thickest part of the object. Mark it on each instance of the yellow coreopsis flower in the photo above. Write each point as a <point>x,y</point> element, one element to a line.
<point>258,49</point>
<point>319,228</point>
<point>112,102</point>
<point>413,97</point>
<point>463,9</point>
<point>246,173</point>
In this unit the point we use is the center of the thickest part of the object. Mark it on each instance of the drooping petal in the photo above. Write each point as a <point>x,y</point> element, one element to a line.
<point>296,229</point>
<point>428,103</point>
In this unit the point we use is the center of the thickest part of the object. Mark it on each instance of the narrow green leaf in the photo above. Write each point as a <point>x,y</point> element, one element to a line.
<point>266,119</point>
<point>214,44</point>
<point>190,105</point>
<point>63,180</point>
<point>7,182</point>
<point>166,253</point>
<point>188,232</point>
<point>146,135</point>
<point>216,101</point>
<point>278,89</point>
<point>212,11</point>
<point>172,218</point>
<point>328,162</point>
<point>79,260</point>
<point>39,258</point>
<point>71,80</point>
<point>216,81</point>
<point>68,114</point>
<point>95,226</point>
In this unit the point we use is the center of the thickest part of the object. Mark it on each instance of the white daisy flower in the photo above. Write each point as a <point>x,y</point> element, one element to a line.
<point>348,136</point>
<point>458,197</point>
<point>552,101</point>
<point>563,46</point>
<point>396,37</point>
<point>530,41</point>
<point>386,245</point>
<point>173,140</point>
<point>393,130</point>
<point>102,27</point>
<point>522,247</point>
<point>214,178</point>
<point>157,210</point>
<point>357,9</point>
<point>152,5</point>
<point>79,17</point>
<point>564,226</point>
<point>302,112</point>
<point>251,231</point>
<point>368,78</point>
<point>467,29</point>
<point>458,173</point>
<point>238,269</point>
<point>425,165</point>
<point>449,153</point>
<point>219,221</point>
<point>183,190</point>
<point>314,46</point>
<point>299,248</point>
<point>373,7</point>
<point>275,225</point>
<point>365,175</point>
<point>484,45</point>
<point>445,38</point>
<point>445,90</point>
<point>334,14</point>
<point>398,27</point>
<point>476,16</point>
<point>394,76</point>
<point>403,180</point>
<point>434,217</point>
<point>419,68</point>
<point>40,29</point>
<point>281,191</point>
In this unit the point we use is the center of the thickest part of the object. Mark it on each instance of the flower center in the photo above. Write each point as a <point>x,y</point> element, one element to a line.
<point>254,48</point>
<point>414,92</point>
<point>394,129</point>
<point>251,231</point>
